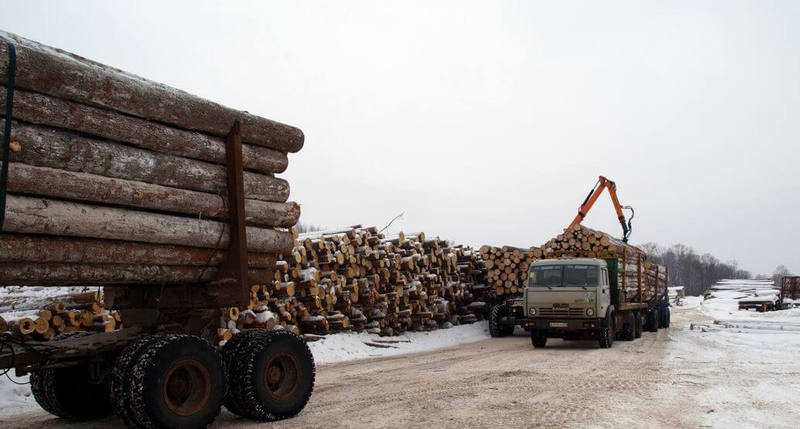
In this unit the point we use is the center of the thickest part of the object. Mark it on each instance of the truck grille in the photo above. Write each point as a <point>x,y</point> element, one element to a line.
<point>561,312</point>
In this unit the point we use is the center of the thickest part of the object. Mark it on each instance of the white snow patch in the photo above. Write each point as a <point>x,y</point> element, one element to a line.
<point>351,346</point>
<point>14,397</point>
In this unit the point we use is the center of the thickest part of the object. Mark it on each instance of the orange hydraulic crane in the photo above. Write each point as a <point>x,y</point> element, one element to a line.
<point>594,193</point>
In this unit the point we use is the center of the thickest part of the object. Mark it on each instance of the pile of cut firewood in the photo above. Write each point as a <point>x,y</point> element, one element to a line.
<point>507,267</point>
<point>357,279</point>
<point>27,314</point>
<point>115,179</point>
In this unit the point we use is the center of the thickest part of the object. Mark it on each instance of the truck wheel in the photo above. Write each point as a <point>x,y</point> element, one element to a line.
<point>666,317</point>
<point>271,376</point>
<point>606,339</point>
<point>68,393</point>
<point>638,322</point>
<point>538,339</point>
<point>178,381</point>
<point>121,377</point>
<point>496,328</point>
<point>629,326</point>
<point>652,321</point>
<point>230,351</point>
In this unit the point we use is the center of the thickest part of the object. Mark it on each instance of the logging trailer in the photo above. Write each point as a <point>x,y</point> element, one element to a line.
<point>164,368</point>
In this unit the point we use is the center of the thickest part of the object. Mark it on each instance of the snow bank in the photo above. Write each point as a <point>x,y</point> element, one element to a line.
<point>352,346</point>
<point>14,397</point>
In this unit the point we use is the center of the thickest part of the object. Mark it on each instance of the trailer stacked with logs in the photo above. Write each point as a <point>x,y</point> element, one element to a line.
<point>593,286</point>
<point>171,202</point>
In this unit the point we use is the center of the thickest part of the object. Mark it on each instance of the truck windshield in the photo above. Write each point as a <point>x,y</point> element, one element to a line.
<point>564,275</point>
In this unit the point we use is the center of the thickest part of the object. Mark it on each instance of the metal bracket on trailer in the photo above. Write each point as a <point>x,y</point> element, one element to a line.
<point>234,268</point>
<point>12,72</point>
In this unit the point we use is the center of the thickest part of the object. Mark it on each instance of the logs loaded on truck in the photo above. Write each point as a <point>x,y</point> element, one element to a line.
<point>171,203</point>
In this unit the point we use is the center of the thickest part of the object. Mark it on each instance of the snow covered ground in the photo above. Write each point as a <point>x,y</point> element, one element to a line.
<point>15,398</point>
<point>758,352</point>
<point>351,346</point>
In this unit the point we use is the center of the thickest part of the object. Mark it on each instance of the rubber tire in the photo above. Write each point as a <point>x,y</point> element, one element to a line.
<point>121,377</point>
<point>147,401</point>
<point>637,332</point>
<point>652,321</point>
<point>538,340</point>
<point>606,339</point>
<point>230,351</point>
<point>48,390</point>
<point>666,317</point>
<point>496,329</point>
<point>67,393</point>
<point>248,395</point>
<point>628,327</point>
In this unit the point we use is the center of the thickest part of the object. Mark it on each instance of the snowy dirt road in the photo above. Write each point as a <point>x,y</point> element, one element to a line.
<point>675,378</point>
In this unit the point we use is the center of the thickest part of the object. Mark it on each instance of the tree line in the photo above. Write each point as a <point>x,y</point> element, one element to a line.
<point>696,273</point>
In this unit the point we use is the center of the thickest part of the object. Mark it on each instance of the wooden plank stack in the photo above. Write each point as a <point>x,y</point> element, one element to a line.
<point>357,279</point>
<point>508,268</point>
<point>29,316</point>
<point>639,278</point>
<point>115,179</point>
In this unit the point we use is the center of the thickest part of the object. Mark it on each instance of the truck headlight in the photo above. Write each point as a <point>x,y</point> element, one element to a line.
<point>590,312</point>
<point>532,311</point>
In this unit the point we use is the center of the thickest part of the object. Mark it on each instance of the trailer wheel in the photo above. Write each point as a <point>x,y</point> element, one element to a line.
<point>638,322</point>
<point>538,339</point>
<point>629,326</point>
<point>496,328</point>
<point>121,377</point>
<point>606,339</point>
<point>178,381</point>
<point>272,376</point>
<point>67,392</point>
<point>652,321</point>
<point>230,351</point>
<point>666,317</point>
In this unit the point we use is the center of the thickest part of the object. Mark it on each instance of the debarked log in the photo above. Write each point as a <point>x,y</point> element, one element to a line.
<point>32,215</point>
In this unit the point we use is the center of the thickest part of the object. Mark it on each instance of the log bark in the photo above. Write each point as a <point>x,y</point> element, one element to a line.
<point>43,216</point>
<point>40,248</point>
<point>61,74</point>
<point>50,182</point>
<point>40,109</point>
<point>46,147</point>
<point>36,274</point>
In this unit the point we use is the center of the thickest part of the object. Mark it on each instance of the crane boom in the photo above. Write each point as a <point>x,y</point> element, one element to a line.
<point>594,193</point>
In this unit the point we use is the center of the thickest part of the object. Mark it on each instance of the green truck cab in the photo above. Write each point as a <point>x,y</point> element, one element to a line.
<point>581,298</point>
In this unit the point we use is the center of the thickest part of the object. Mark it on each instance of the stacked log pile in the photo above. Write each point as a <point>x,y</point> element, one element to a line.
<point>359,280</point>
<point>507,268</point>
<point>27,316</point>
<point>114,179</point>
<point>639,278</point>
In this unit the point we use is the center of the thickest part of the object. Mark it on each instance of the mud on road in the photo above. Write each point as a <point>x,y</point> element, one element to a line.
<point>672,378</point>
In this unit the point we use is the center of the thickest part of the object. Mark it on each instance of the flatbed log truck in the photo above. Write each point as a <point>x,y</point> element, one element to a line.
<point>164,369</point>
<point>581,298</point>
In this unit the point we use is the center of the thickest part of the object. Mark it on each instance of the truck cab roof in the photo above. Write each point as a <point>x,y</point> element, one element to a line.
<point>570,261</point>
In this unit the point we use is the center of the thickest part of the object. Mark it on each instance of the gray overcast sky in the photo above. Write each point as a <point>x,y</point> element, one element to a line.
<point>487,122</point>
